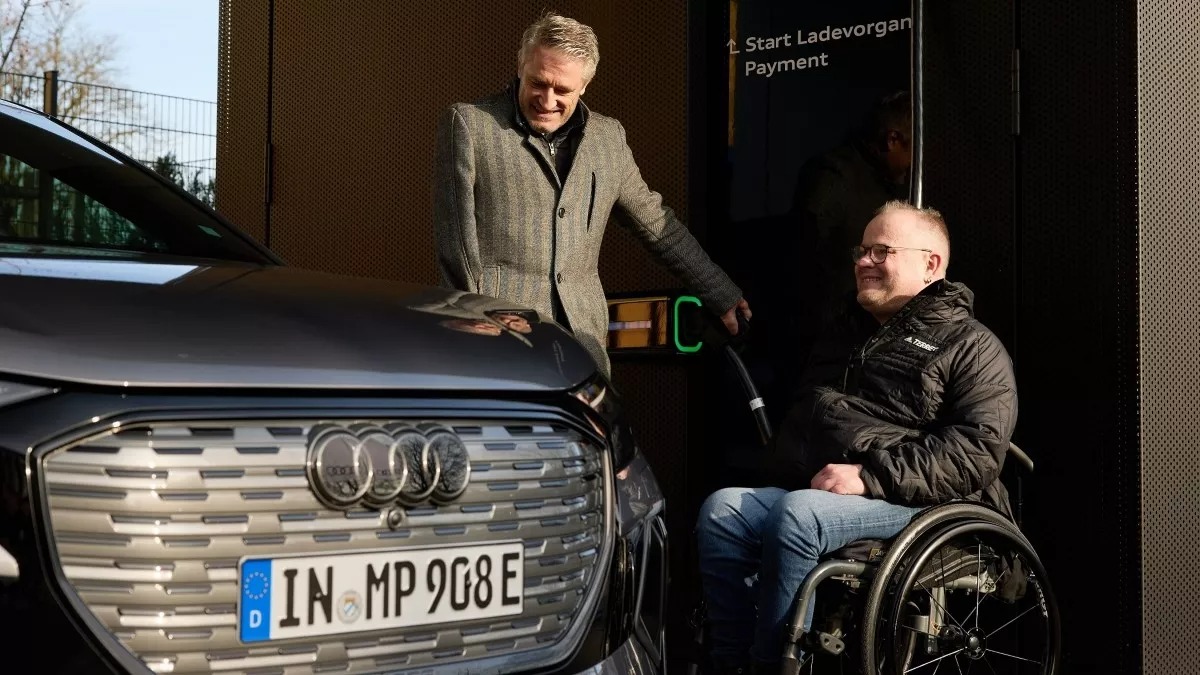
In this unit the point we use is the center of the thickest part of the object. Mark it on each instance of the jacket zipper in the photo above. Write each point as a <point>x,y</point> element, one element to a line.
<point>859,358</point>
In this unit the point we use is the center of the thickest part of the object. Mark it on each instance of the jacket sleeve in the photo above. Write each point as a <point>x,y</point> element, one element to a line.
<point>454,227</point>
<point>961,454</point>
<point>663,234</point>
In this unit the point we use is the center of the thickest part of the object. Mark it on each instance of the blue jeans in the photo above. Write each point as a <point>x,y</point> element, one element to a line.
<point>779,536</point>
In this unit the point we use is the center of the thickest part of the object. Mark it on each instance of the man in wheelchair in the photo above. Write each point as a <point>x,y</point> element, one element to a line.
<point>908,402</point>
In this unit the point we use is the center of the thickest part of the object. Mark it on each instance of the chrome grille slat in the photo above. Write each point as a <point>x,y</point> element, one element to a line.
<point>234,545</point>
<point>150,528</point>
<point>558,538</point>
<point>451,638</point>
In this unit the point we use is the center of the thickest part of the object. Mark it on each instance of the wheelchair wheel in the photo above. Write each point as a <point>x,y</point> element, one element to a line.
<point>968,594</point>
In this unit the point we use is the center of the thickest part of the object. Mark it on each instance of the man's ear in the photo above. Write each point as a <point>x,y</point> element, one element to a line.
<point>934,267</point>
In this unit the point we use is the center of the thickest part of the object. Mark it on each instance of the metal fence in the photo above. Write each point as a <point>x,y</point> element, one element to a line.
<point>176,136</point>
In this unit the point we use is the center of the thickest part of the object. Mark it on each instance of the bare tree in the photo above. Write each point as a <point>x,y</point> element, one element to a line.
<point>10,27</point>
<point>42,35</point>
<point>45,35</point>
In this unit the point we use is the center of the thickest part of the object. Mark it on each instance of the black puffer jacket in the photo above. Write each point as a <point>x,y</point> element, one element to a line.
<point>926,403</point>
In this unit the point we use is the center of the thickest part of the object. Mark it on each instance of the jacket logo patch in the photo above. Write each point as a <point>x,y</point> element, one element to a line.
<point>918,342</point>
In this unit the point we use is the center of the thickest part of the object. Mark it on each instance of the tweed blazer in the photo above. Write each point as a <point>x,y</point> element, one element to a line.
<point>508,227</point>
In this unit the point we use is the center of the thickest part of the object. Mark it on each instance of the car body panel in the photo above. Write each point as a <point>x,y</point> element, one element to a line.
<point>219,325</point>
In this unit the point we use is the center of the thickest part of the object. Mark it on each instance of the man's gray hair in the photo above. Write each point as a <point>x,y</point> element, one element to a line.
<point>568,36</point>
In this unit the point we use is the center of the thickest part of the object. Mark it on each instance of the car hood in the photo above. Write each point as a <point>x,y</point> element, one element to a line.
<point>135,324</point>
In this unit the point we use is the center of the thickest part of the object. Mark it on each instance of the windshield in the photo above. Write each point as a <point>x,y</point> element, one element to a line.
<point>63,195</point>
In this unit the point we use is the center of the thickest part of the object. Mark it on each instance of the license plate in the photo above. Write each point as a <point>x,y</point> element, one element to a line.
<point>351,592</point>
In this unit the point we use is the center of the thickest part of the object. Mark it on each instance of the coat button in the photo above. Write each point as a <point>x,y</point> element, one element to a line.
<point>559,277</point>
<point>562,212</point>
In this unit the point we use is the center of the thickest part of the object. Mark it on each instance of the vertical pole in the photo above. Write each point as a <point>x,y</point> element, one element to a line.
<point>50,93</point>
<point>46,225</point>
<point>917,172</point>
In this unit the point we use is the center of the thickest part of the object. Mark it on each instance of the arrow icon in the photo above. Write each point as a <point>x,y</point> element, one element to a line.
<point>732,47</point>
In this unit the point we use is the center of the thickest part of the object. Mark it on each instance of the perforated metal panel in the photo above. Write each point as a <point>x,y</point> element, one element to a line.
<point>1077,358</point>
<point>1169,210</point>
<point>242,121</point>
<point>353,144</point>
<point>969,123</point>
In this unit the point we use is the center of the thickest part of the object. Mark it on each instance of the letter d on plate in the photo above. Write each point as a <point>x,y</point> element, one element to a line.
<point>256,601</point>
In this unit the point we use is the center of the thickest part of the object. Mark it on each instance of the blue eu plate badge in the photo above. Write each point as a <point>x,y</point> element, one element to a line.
<point>256,600</point>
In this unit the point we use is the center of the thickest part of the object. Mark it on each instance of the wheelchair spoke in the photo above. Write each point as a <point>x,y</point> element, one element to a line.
<point>1014,656</point>
<point>935,668</point>
<point>944,656</point>
<point>1006,623</point>
<point>978,602</point>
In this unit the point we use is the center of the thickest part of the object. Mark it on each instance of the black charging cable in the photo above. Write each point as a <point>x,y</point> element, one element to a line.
<point>713,332</point>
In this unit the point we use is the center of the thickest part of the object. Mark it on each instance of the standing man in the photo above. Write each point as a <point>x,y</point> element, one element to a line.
<point>525,183</point>
<point>911,404</point>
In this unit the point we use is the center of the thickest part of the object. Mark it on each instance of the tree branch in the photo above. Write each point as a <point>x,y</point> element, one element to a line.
<point>16,33</point>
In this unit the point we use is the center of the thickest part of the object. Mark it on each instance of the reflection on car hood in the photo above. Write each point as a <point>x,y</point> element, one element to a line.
<point>135,324</point>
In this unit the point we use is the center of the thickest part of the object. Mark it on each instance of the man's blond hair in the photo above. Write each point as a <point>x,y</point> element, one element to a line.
<point>554,31</point>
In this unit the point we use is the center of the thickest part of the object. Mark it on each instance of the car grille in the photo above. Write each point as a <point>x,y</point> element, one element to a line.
<point>149,524</point>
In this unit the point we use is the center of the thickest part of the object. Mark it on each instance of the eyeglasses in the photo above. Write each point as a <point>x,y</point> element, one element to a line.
<point>879,252</point>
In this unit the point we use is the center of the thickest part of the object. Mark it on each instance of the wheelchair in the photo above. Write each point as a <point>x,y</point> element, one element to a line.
<point>959,590</point>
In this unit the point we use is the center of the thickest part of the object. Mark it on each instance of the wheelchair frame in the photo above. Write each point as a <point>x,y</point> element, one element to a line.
<point>907,555</point>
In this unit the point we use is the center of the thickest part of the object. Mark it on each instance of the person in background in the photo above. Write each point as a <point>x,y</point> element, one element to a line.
<point>836,192</point>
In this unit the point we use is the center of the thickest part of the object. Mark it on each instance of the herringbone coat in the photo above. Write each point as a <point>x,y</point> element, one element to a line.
<point>506,226</point>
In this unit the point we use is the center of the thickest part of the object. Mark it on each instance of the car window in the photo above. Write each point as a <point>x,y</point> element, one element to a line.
<point>64,194</point>
<point>36,207</point>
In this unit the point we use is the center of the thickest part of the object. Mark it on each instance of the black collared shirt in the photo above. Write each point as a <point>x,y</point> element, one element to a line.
<point>563,142</point>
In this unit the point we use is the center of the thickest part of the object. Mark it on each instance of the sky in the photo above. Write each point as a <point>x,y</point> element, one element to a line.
<point>163,46</point>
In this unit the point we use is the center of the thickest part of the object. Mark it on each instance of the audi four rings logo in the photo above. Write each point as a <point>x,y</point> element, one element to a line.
<point>375,465</point>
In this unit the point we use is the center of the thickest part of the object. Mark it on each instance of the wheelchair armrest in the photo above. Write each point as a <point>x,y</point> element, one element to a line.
<point>1024,459</point>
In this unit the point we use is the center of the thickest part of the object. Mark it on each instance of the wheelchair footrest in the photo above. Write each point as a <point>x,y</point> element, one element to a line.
<point>829,643</point>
